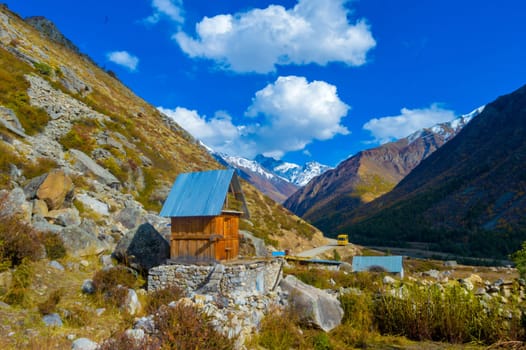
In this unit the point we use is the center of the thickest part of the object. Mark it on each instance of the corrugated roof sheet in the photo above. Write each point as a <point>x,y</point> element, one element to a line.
<point>198,194</point>
<point>388,263</point>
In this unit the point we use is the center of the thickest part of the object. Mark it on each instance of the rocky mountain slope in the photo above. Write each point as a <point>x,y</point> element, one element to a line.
<point>61,112</point>
<point>329,198</point>
<point>275,178</point>
<point>469,197</point>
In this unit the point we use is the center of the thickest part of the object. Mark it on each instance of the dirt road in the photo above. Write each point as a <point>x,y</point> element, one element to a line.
<point>331,244</point>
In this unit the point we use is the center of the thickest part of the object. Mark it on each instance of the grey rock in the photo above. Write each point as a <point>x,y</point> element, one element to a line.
<point>10,121</point>
<point>389,280</point>
<point>84,344</point>
<point>76,239</point>
<point>64,217</point>
<point>88,287</point>
<point>258,243</point>
<point>101,153</point>
<point>432,273</point>
<point>31,188</point>
<point>15,204</point>
<point>146,324</point>
<point>52,320</point>
<point>143,248</point>
<point>93,204</point>
<point>88,165</point>
<point>42,225</point>
<point>130,217</point>
<point>315,306</point>
<point>72,82</point>
<point>56,265</point>
<point>106,261</point>
<point>132,304</point>
<point>137,335</point>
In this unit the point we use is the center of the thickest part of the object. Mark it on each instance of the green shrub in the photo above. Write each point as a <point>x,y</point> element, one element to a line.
<point>519,258</point>
<point>279,330</point>
<point>54,246</point>
<point>79,137</point>
<point>183,327</point>
<point>49,305</point>
<point>43,68</point>
<point>453,315</point>
<point>322,342</point>
<point>18,292</point>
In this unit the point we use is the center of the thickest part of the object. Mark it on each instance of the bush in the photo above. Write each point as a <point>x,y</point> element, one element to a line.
<point>112,285</point>
<point>162,297</point>
<point>453,315</point>
<point>18,292</point>
<point>279,330</point>
<point>18,241</point>
<point>43,68</point>
<point>183,327</point>
<point>54,246</point>
<point>49,305</point>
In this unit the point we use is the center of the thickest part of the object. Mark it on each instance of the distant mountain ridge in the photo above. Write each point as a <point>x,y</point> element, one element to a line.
<point>275,178</point>
<point>467,198</point>
<point>368,175</point>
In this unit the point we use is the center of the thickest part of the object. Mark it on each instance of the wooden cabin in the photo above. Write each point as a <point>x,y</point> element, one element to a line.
<point>205,208</point>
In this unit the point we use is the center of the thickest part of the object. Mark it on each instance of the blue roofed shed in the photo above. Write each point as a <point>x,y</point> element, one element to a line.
<point>392,264</point>
<point>205,208</point>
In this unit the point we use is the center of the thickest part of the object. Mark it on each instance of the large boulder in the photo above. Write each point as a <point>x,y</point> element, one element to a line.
<point>85,164</point>
<point>55,188</point>
<point>315,306</point>
<point>142,248</point>
<point>77,239</point>
<point>14,203</point>
<point>130,217</point>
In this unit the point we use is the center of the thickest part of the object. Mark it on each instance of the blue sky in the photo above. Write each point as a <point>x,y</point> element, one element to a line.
<point>302,80</point>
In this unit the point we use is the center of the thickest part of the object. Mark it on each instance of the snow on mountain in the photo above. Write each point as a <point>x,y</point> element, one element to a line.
<point>294,173</point>
<point>449,129</point>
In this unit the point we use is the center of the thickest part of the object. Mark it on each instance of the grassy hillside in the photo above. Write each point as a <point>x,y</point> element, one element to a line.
<point>138,126</point>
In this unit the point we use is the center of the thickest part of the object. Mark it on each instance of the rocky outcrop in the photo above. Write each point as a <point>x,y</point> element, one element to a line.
<point>87,165</point>
<point>313,305</point>
<point>142,248</point>
<point>48,28</point>
<point>10,121</point>
<point>54,189</point>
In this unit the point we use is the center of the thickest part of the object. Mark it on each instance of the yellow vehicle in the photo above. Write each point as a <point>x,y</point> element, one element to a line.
<point>343,239</point>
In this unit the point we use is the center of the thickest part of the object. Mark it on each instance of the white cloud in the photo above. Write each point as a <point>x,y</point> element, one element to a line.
<point>313,31</point>
<point>284,116</point>
<point>295,113</point>
<point>390,128</point>
<point>169,8</point>
<point>124,59</point>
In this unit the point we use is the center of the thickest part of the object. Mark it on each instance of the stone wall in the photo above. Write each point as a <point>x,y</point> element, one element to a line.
<point>250,277</point>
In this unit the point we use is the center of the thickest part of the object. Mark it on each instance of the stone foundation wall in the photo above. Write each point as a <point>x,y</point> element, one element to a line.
<point>253,277</point>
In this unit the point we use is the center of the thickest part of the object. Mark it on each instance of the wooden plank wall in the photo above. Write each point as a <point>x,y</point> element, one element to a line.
<point>191,238</point>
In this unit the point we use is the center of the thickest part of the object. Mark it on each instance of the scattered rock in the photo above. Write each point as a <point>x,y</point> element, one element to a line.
<point>54,189</point>
<point>88,165</point>
<point>84,344</point>
<point>146,324</point>
<point>56,265</point>
<point>31,188</point>
<point>432,273</point>
<point>76,239</point>
<point>10,121</point>
<point>389,280</point>
<point>64,217</point>
<point>16,204</point>
<point>130,217</point>
<point>42,225</point>
<point>142,249</point>
<point>52,320</point>
<point>88,287</point>
<point>40,208</point>
<point>315,306</point>
<point>132,304</point>
<point>93,204</point>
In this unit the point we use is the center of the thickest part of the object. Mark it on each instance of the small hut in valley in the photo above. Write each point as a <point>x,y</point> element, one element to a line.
<point>205,208</point>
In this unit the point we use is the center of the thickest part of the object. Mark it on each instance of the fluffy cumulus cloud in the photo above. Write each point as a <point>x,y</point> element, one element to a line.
<point>124,58</point>
<point>408,121</point>
<point>313,31</point>
<point>296,112</point>
<point>284,116</point>
<point>172,9</point>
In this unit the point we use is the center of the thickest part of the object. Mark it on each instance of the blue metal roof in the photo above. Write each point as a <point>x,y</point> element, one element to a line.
<point>388,263</point>
<point>198,194</point>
